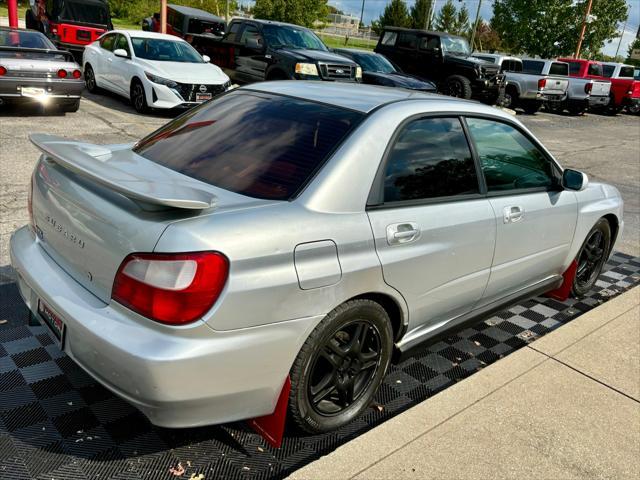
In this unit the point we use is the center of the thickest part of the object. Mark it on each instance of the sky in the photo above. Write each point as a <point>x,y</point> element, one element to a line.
<point>374,8</point>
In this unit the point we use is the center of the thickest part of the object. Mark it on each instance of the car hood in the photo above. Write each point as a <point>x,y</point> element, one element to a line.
<point>398,79</point>
<point>182,72</point>
<point>314,56</point>
<point>470,61</point>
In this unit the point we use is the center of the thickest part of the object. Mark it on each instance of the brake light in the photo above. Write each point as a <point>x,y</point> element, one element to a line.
<point>77,74</point>
<point>542,83</point>
<point>171,288</point>
<point>62,73</point>
<point>588,87</point>
<point>3,71</point>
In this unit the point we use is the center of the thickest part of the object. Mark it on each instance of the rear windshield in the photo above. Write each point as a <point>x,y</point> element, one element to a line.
<point>256,144</point>
<point>559,69</point>
<point>24,39</point>
<point>532,66</point>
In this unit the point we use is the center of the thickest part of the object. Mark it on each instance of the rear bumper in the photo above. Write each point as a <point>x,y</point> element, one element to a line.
<point>553,97</point>
<point>54,88</point>
<point>177,376</point>
<point>601,101</point>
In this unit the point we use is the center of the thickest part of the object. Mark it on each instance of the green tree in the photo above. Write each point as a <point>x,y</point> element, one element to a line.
<point>609,13</point>
<point>420,13</point>
<point>298,12</point>
<point>634,45</point>
<point>395,14</point>
<point>462,21</point>
<point>447,18</point>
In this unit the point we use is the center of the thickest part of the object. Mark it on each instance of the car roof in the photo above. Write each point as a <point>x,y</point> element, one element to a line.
<point>145,34</point>
<point>271,22</point>
<point>353,96</point>
<point>194,12</point>
<point>418,30</point>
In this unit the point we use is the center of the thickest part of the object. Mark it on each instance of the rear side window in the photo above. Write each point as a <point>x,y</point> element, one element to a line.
<point>429,42</point>
<point>256,144</point>
<point>532,66</point>
<point>511,66</point>
<point>574,68</point>
<point>626,72</point>
<point>389,38</point>
<point>597,70</point>
<point>232,35</point>
<point>557,68</point>
<point>510,161</point>
<point>407,40</point>
<point>430,159</point>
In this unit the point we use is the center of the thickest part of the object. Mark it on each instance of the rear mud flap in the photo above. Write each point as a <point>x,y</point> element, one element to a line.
<point>271,427</point>
<point>563,291</point>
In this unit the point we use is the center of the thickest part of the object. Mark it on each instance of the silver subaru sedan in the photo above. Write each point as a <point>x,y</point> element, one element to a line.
<point>301,231</point>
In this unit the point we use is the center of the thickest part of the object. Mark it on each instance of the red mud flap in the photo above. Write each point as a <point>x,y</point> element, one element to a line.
<point>563,291</point>
<point>271,427</point>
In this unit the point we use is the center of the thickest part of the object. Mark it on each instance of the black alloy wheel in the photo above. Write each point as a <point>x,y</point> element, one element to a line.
<point>90,79</point>
<point>340,366</point>
<point>138,97</point>
<point>592,257</point>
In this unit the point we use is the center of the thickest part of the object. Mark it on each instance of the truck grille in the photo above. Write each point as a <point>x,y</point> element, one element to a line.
<point>188,91</point>
<point>337,72</point>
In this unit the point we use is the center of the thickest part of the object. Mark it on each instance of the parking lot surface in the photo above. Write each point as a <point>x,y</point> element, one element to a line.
<point>606,148</point>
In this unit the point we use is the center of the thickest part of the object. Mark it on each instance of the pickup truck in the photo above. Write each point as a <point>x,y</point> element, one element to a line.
<point>255,50</point>
<point>186,22</point>
<point>443,59</point>
<point>623,91</point>
<point>624,75</point>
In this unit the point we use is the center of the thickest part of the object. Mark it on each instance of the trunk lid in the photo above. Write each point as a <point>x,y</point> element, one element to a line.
<point>93,208</point>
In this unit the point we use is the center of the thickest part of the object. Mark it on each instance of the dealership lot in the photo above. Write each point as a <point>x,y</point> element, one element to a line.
<point>606,148</point>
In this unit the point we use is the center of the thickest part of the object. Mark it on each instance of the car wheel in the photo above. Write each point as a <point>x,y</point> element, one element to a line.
<point>554,107</point>
<point>138,97</point>
<point>577,109</point>
<point>90,79</point>
<point>591,258</point>
<point>531,106</point>
<point>510,98</point>
<point>634,109</point>
<point>458,86</point>
<point>340,366</point>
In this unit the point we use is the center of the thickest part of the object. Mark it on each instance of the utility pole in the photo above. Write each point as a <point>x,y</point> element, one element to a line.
<point>12,7</point>
<point>622,35</point>
<point>361,16</point>
<point>584,27</point>
<point>163,16</point>
<point>475,24</point>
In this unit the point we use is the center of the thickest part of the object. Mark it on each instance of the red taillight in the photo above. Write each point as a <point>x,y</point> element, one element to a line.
<point>77,74</point>
<point>542,83</point>
<point>171,288</point>
<point>3,71</point>
<point>62,73</point>
<point>588,87</point>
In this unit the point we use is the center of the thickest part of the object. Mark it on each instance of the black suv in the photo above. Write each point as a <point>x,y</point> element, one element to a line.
<point>444,59</point>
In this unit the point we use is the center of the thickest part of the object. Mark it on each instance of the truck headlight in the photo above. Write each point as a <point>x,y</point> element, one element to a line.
<point>307,69</point>
<point>161,81</point>
<point>359,73</point>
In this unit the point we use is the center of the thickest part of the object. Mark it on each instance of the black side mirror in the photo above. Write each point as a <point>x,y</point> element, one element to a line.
<point>574,180</point>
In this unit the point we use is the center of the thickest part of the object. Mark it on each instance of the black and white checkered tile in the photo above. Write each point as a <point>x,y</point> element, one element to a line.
<point>57,423</point>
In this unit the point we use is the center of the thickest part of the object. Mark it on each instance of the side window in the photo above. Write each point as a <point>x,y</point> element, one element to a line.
<point>574,68</point>
<point>389,38</point>
<point>407,40</point>
<point>595,69</point>
<point>430,42</point>
<point>232,34</point>
<point>251,32</point>
<point>430,158</point>
<point>107,42</point>
<point>122,43</point>
<point>510,161</point>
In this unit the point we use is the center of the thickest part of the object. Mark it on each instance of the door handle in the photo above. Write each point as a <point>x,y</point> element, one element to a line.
<point>399,233</point>
<point>513,214</point>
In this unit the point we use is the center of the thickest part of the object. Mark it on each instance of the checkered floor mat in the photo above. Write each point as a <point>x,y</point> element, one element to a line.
<point>57,423</point>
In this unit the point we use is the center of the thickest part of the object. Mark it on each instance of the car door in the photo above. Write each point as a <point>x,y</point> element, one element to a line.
<point>535,217</point>
<point>251,62</point>
<point>434,229</point>
<point>121,67</point>
<point>101,65</point>
<point>430,57</point>
<point>407,53</point>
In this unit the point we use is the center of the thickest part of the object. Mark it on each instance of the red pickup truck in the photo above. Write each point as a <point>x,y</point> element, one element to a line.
<point>625,91</point>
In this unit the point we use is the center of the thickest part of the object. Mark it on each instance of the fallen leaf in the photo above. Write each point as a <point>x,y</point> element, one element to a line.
<point>2,322</point>
<point>177,471</point>
<point>477,343</point>
<point>260,449</point>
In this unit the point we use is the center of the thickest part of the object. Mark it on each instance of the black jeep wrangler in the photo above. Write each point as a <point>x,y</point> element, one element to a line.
<point>443,59</point>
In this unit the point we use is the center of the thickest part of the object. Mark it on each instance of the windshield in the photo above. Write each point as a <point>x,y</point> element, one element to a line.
<point>455,45</point>
<point>255,144</point>
<point>24,39</point>
<point>85,12</point>
<point>373,63</point>
<point>162,50</point>
<point>292,37</point>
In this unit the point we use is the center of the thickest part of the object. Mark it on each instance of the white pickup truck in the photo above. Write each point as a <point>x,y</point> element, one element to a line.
<point>530,82</point>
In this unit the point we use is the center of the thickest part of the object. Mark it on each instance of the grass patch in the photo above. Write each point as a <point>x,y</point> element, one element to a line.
<point>125,24</point>
<point>4,11</point>
<point>338,42</point>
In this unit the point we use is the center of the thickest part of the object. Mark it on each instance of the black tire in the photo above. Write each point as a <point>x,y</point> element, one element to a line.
<point>611,108</point>
<point>332,360</point>
<point>577,109</point>
<point>90,79</point>
<point>457,86</point>
<point>138,96</point>
<point>554,107</point>
<point>70,106</point>
<point>531,106</point>
<point>591,258</point>
<point>633,109</point>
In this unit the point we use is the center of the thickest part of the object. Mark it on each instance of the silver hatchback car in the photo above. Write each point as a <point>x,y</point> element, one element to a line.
<point>296,230</point>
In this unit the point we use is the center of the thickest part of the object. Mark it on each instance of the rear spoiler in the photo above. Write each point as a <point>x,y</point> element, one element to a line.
<point>47,51</point>
<point>74,157</point>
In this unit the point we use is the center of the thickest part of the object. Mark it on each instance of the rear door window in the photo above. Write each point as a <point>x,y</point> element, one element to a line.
<point>407,40</point>
<point>598,71</point>
<point>255,144</point>
<point>532,66</point>
<point>429,42</point>
<point>430,159</point>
